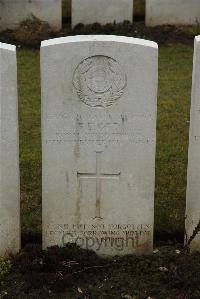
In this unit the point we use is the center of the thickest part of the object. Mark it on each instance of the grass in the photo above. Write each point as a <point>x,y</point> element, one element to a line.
<point>175,69</point>
<point>174,93</point>
<point>30,139</point>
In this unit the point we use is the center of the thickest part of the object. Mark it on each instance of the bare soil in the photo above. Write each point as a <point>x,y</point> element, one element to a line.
<point>73,273</point>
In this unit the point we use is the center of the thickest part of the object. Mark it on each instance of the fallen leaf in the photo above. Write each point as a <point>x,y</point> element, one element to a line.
<point>163,269</point>
<point>80,291</point>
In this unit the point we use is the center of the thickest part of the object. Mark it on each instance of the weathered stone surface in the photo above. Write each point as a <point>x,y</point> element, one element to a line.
<point>101,11</point>
<point>9,152</point>
<point>12,13</point>
<point>193,188</point>
<point>172,12</point>
<point>99,136</point>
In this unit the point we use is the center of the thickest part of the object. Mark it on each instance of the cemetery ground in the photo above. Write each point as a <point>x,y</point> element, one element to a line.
<point>170,272</point>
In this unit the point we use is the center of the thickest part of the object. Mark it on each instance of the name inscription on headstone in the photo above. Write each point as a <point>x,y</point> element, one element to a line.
<point>118,130</point>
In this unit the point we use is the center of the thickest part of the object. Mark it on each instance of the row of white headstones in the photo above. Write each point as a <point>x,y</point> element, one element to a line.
<point>158,12</point>
<point>99,101</point>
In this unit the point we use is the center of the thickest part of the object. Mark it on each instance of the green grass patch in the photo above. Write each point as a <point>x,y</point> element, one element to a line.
<point>30,139</point>
<point>174,93</point>
<point>175,70</point>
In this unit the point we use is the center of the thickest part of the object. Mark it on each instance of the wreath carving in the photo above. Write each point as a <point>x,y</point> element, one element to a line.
<point>99,81</point>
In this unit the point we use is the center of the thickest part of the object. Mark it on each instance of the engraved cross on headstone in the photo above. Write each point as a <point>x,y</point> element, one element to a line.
<point>98,176</point>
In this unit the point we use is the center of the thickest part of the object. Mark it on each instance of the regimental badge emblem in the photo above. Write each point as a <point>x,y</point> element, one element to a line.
<point>99,81</point>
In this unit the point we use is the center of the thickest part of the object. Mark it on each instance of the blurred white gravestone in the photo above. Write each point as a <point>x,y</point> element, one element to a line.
<point>99,135</point>
<point>13,12</point>
<point>172,12</point>
<point>9,152</point>
<point>101,11</point>
<point>193,188</point>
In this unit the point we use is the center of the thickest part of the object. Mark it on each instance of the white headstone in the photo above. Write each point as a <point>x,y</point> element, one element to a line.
<point>101,11</point>
<point>193,188</point>
<point>9,152</point>
<point>99,136</point>
<point>172,12</point>
<point>13,12</point>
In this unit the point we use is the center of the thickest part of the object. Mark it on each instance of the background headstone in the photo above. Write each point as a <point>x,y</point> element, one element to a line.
<point>139,8</point>
<point>9,152</point>
<point>172,12</point>
<point>99,136</point>
<point>101,11</point>
<point>12,13</point>
<point>193,188</point>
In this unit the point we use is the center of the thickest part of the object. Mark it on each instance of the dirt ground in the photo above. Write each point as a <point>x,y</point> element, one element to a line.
<point>33,31</point>
<point>72,273</point>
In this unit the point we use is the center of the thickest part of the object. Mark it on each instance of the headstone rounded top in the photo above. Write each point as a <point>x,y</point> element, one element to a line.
<point>197,38</point>
<point>7,47</point>
<point>101,38</point>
